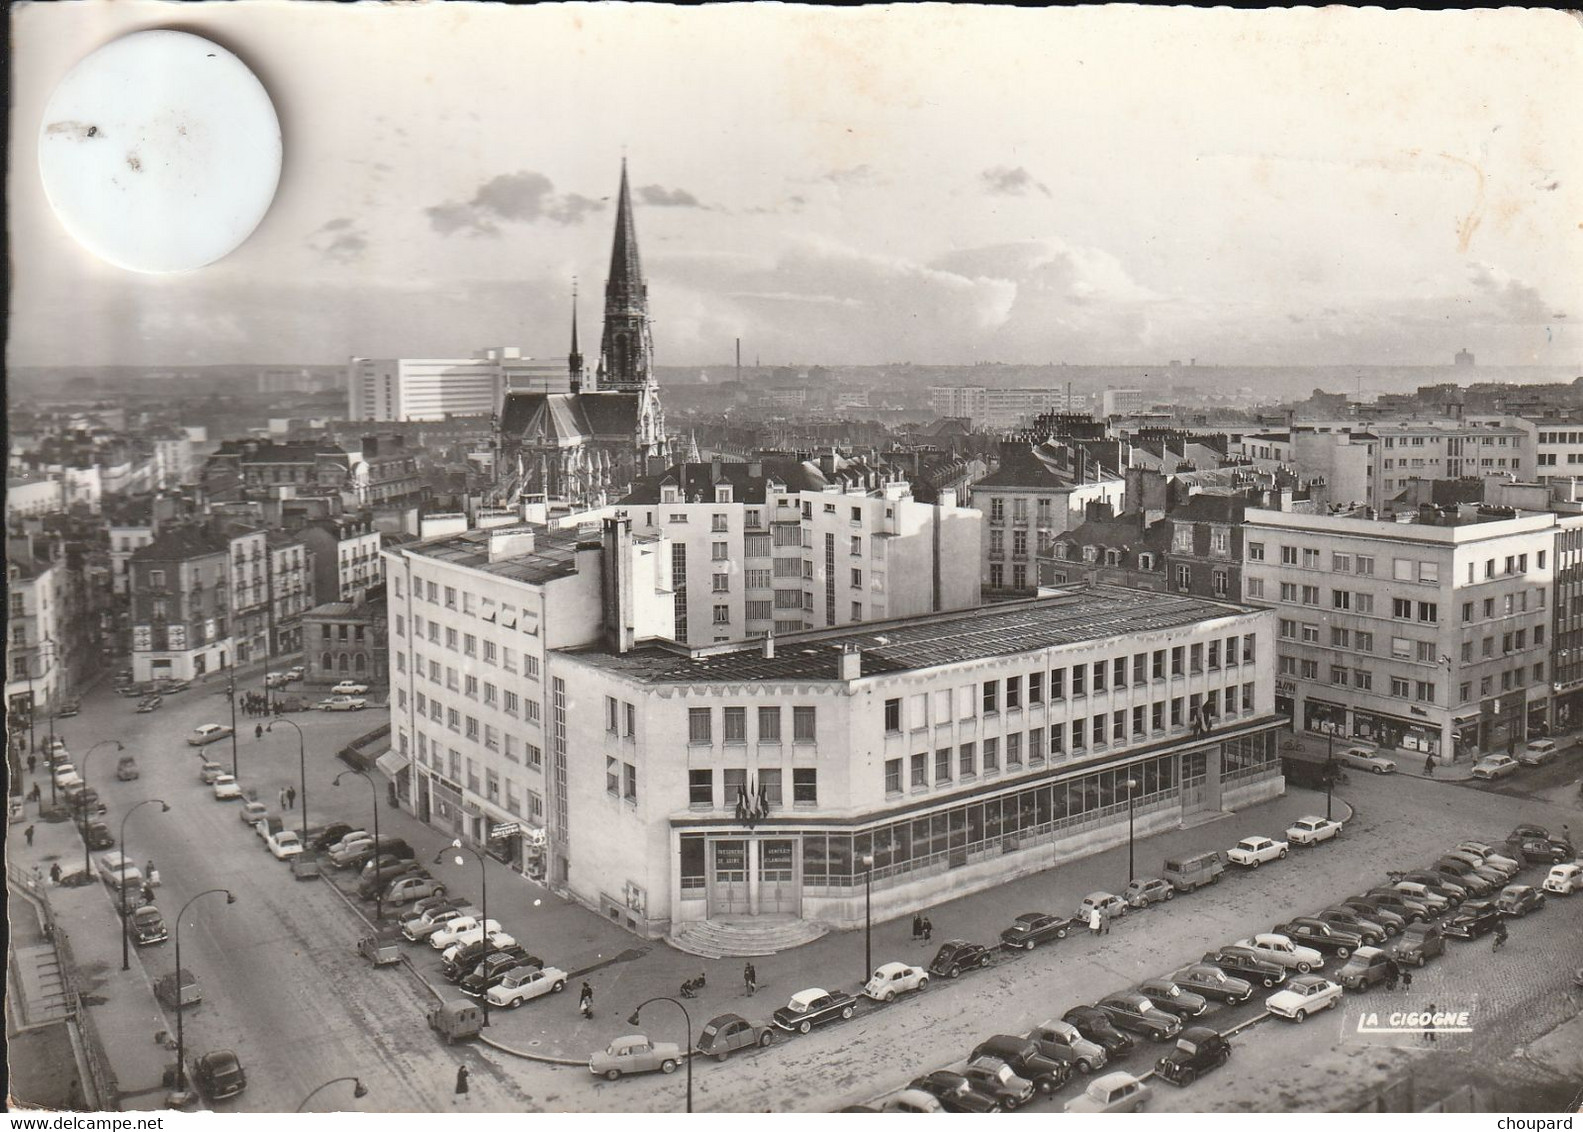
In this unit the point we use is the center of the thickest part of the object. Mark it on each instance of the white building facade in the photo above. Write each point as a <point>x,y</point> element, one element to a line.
<point>431,389</point>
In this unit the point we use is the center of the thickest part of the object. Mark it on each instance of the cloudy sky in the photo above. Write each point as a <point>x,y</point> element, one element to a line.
<point>924,184</point>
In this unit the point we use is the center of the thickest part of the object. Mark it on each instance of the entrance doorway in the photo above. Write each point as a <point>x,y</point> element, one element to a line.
<point>728,878</point>
<point>778,889</point>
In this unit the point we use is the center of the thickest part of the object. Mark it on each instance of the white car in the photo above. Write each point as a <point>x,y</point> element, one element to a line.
<point>1564,880</point>
<point>1491,767</point>
<point>498,940</point>
<point>891,979</point>
<point>208,733</point>
<point>1304,995</point>
<point>455,929</point>
<point>349,688</point>
<point>226,788</point>
<point>66,775</point>
<point>1251,852</point>
<point>284,844</point>
<point>1367,758</point>
<point>1280,949</point>
<point>342,703</point>
<point>1539,752</point>
<point>524,984</point>
<point>1312,830</point>
<point>1487,854</point>
<point>1113,1092</point>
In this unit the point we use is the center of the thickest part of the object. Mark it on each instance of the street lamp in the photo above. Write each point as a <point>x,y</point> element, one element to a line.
<point>302,759</point>
<point>181,1036</point>
<point>164,808</point>
<point>230,691</point>
<point>868,914</point>
<point>687,1052</point>
<point>87,866</point>
<point>1132,785</point>
<point>359,1090</point>
<point>379,890</point>
<point>1330,770</point>
<point>483,895</point>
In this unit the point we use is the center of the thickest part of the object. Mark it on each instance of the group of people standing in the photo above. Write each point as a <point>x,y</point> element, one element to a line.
<point>256,703</point>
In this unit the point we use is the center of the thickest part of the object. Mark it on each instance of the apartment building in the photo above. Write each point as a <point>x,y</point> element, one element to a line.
<point>290,590</point>
<point>991,408</point>
<point>346,560</point>
<point>1426,635</point>
<point>36,581</point>
<point>1566,632</point>
<point>181,589</point>
<point>783,545</point>
<point>1409,450</point>
<point>933,756</point>
<point>431,389</point>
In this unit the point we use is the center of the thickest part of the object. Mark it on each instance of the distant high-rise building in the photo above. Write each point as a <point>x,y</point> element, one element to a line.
<point>431,389</point>
<point>1464,358</point>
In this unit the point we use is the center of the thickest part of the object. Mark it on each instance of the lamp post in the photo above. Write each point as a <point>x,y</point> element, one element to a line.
<point>1330,770</point>
<point>1132,786</point>
<point>302,759</point>
<point>230,691</point>
<point>687,1051</point>
<point>868,915</point>
<point>483,895</point>
<point>379,889</point>
<point>126,961</point>
<point>87,866</point>
<point>359,1090</point>
<point>181,1036</point>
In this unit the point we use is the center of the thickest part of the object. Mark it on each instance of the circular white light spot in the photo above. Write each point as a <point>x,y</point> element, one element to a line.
<point>160,151</point>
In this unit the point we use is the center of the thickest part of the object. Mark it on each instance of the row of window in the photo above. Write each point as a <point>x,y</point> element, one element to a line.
<point>470,645</point>
<point>700,724</point>
<point>450,764</point>
<point>1402,569</point>
<point>767,781</point>
<point>483,607</point>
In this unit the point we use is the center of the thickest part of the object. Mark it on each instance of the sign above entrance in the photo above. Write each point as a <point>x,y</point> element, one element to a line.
<point>504,829</point>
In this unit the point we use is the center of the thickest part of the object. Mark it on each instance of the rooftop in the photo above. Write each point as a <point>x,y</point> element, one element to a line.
<point>554,554</point>
<point>927,641</point>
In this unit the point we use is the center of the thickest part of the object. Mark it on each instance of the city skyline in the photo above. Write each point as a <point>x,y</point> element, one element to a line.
<point>850,187</point>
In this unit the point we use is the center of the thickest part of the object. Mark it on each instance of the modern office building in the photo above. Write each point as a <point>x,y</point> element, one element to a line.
<point>992,408</point>
<point>1433,450</point>
<point>431,389</point>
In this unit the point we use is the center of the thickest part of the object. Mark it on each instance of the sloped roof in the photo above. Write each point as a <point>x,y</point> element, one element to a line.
<point>571,416</point>
<point>177,544</point>
<point>696,481</point>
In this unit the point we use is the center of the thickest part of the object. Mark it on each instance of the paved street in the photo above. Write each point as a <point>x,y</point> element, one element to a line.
<point>268,961</point>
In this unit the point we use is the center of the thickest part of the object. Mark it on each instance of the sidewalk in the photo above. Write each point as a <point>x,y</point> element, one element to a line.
<point>1409,763</point>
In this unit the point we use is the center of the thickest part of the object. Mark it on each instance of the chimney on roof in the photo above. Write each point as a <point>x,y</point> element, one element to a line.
<point>851,662</point>
<point>769,645</point>
<point>714,469</point>
<point>616,585</point>
<point>510,542</point>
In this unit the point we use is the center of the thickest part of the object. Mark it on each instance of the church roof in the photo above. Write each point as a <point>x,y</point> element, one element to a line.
<point>570,416</point>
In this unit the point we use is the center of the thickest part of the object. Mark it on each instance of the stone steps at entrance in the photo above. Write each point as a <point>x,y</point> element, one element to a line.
<point>717,939</point>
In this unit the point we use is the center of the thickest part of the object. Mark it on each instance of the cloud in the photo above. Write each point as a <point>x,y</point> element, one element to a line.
<point>1518,302</point>
<point>1001,181</point>
<point>662,197</point>
<point>516,198</point>
<point>339,240</point>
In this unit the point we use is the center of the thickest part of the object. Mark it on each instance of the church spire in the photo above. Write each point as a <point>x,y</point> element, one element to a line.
<point>626,350</point>
<point>574,360</point>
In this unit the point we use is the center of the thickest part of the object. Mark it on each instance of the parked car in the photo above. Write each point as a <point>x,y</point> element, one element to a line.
<point>489,972</point>
<point>1435,902</point>
<point>1251,852</point>
<point>1064,1042</point>
<point>1549,850</point>
<point>252,813</point>
<point>1564,880</point>
<point>956,956</point>
<point>1245,963</point>
<point>349,851</point>
<point>1367,966</point>
<point>724,1034</point>
<point>1472,920</point>
<point>146,926</point>
<point>1373,931</point>
<point>1195,870</point>
<point>296,672</point>
<point>1023,1055</point>
<point>1491,767</point>
<point>1478,882</point>
<point>1366,758</point>
<point>1170,997</point>
<point>1304,995</point>
<point>1490,855</point>
<point>1143,892</point>
<point>1538,752</point>
<point>635,1053</point>
<point>999,1081</point>
<point>463,930</point>
<point>1198,1049</point>
<point>1312,830</point>
<point>485,942</point>
<point>453,922</point>
<point>267,826</point>
<point>98,835</point>
<point>421,927</point>
<point>1211,982</point>
<point>1114,1092</point>
<point>813,1007</point>
<point>1032,928</point>
<point>342,703</point>
<point>409,889</point>
<point>1327,939</point>
<point>218,1075</point>
<point>1440,884</point>
<point>1138,1014</point>
<point>912,1100</point>
<point>349,688</point>
<point>324,839</point>
<point>1095,1025</point>
<point>1279,949</point>
<point>284,844</point>
<point>1519,899</point>
<point>954,1091</point>
<point>1111,906</point>
<point>208,733</point>
<point>1388,900</point>
<point>1527,829</point>
<point>68,709</point>
<point>891,979</point>
<point>436,904</point>
<point>150,704</point>
<point>226,788</point>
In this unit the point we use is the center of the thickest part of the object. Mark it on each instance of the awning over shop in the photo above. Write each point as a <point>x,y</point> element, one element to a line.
<point>392,763</point>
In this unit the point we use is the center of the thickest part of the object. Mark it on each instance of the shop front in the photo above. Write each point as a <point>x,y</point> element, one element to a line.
<point>1397,733</point>
<point>1502,720</point>
<point>1322,717</point>
<point>1286,697</point>
<point>1566,707</point>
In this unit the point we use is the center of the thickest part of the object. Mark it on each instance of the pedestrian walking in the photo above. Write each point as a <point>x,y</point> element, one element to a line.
<point>461,1082</point>
<point>1429,766</point>
<point>34,793</point>
<point>1104,923</point>
<point>32,762</point>
<point>917,926</point>
<point>928,929</point>
<point>291,797</point>
<point>1407,980</point>
<point>1093,922</point>
<point>28,833</point>
<point>1429,1024</point>
<point>54,873</point>
<point>258,731</point>
<point>283,797</point>
<point>750,978</point>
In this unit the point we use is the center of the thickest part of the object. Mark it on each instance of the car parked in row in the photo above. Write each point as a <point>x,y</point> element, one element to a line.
<point>954,1092</point>
<point>1137,1014</point>
<point>1538,752</point>
<point>1372,931</point>
<point>1251,852</point>
<point>1110,906</point>
<point>1245,963</point>
<point>1169,996</point>
<point>956,956</point>
<point>1519,899</point>
<point>1095,1025</point>
<point>1198,1049</point>
<point>524,984</point>
<point>410,889</point>
<point>1064,1042</point>
<point>1312,830</point>
<point>1145,891</point>
<point>1304,995</point>
<point>491,970</point>
<point>892,979</point>
<point>421,926</point>
<point>284,844</point>
<point>1033,928</point>
<point>1475,919</point>
<point>727,1033</point>
<point>1114,1092</point>
<point>1365,967</point>
<point>1327,939</point>
<point>813,1007</point>
<point>1281,950</point>
<point>1022,1054</point>
<point>146,926</point>
<point>1418,944</point>
<point>999,1081</point>
<point>634,1053</point>
<point>1546,850</point>
<point>1211,982</point>
<point>218,1075</point>
<point>226,788</point>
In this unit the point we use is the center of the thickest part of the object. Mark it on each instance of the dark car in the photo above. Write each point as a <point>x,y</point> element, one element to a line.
<point>1375,911</point>
<point>1211,982</point>
<point>1472,920</point>
<point>994,1078</point>
<point>1419,944</point>
<point>955,1092</point>
<point>1549,850</point>
<point>1368,965</point>
<point>1440,884</point>
<point>218,1074</point>
<point>98,835</point>
<point>956,956</point>
<point>467,960</point>
<point>1198,1050</point>
<point>1095,1025</point>
<point>376,883</point>
<point>1023,1055</point>
<point>1372,931</point>
<point>1519,900</point>
<point>1464,874</point>
<point>1394,900</point>
<point>69,709</point>
<point>1527,829</point>
<point>1032,928</point>
<point>1245,964</point>
<point>146,926</point>
<point>491,970</point>
<point>329,835</point>
<point>1173,998</point>
<point>1328,939</point>
<point>726,1033</point>
<point>1138,1013</point>
<point>810,1008</point>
